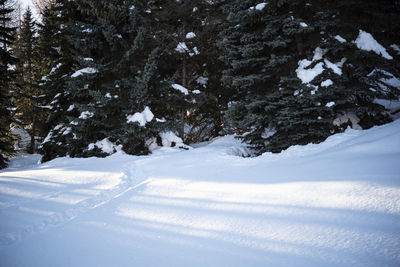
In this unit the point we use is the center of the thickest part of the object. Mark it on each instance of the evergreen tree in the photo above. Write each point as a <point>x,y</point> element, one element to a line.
<point>52,61</point>
<point>113,78</point>
<point>27,91</point>
<point>55,46</point>
<point>186,32</point>
<point>298,81</point>
<point>6,75</point>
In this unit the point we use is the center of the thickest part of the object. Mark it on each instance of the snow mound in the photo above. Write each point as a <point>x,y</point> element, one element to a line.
<point>170,143</point>
<point>169,139</point>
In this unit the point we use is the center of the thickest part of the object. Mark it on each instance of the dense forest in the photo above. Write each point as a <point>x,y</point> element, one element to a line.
<point>90,77</point>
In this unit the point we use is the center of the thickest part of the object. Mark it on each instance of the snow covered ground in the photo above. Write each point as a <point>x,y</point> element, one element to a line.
<point>332,204</point>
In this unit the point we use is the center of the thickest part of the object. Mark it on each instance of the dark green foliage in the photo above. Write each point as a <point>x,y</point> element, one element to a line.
<point>191,62</point>
<point>6,76</point>
<point>114,74</point>
<point>28,96</point>
<point>99,62</point>
<point>263,52</point>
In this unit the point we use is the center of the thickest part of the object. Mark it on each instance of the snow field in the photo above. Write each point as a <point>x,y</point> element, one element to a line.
<point>331,204</point>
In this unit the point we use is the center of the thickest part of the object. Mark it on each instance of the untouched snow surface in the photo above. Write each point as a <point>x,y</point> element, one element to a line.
<point>331,204</point>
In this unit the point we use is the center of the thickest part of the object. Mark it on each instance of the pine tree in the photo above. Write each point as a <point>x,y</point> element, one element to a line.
<point>27,99</point>
<point>52,61</point>
<point>6,75</point>
<point>186,32</point>
<point>55,46</point>
<point>297,79</point>
<point>113,78</point>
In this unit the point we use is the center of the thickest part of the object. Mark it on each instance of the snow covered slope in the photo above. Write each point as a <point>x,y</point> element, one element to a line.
<point>332,204</point>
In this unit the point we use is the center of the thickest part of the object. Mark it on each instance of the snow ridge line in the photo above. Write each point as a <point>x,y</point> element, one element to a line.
<point>60,218</point>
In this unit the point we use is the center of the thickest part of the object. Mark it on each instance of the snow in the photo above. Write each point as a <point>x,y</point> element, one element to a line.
<point>190,35</point>
<point>202,81</point>
<point>391,80</point>
<point>86,115</point>
<point>168,138</point>
<point>330,104</point>
<point>88,30</point>
<point>307,75</point>
<point>326,83</point>
<point>365,41</point>
<point>142,118</point>
<point>336,68</point>
<point>392,105</point>
<point>83,71</point>
<point>24,139</point>
<point>330,204</point>
<point>71,107</point>
<point>196,51</point>
<point>105,145</point>
<point>259,6</point>
<point>182,48</point>
<point>346,118</point>
<point>396,48</point>
<point>340,39</point>
<point>55,68</point>
<point>67,130</point>
<point>180,88</point>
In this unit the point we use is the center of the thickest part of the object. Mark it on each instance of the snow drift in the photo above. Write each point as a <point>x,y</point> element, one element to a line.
<point>331,204</point>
